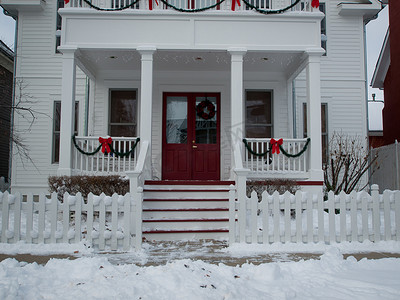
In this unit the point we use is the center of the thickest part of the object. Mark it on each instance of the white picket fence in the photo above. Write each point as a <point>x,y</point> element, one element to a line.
<point>306,218</point>
<point>103,221</point>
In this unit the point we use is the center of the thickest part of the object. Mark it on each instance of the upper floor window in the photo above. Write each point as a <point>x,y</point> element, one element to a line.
<point>259,114</point>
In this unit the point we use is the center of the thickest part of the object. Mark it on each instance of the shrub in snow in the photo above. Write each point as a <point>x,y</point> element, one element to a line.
<point>88,184</point>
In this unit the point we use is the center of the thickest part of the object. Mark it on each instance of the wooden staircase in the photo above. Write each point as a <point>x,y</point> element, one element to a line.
<point>186,210</point>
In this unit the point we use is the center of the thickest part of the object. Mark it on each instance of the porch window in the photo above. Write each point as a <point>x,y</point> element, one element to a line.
<point>259,114</point>
<point>324,38</point>
<point>123,113</point>
<point>324,128</point>
<point>55,157</point>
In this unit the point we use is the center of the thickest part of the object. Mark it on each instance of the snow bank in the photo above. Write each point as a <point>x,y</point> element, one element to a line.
<point>95,278</point>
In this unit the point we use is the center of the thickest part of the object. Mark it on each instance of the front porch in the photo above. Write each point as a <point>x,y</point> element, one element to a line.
<point>186,57</point>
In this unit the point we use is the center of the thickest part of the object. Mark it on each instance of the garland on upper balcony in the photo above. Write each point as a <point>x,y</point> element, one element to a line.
<point>106,147</point>
<point>315,3</point>
<point>275,146</point>
<point>271,11</point>
<point>110,9</point>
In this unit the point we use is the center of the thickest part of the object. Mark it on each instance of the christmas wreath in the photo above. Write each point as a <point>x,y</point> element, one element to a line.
<point>201,109</point>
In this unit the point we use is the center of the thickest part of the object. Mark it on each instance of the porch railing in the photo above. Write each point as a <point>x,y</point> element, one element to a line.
<point>274,164</point>
<point>301,5</point>
<point>104,163</point>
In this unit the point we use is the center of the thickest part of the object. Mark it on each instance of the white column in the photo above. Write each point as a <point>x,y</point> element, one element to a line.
<point>237,97</point>
<point>146,89</point>
<point>314,113</point>
<point>67,111</point>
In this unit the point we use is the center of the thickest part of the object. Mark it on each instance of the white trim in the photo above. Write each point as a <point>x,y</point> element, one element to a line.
<point>382,65</point>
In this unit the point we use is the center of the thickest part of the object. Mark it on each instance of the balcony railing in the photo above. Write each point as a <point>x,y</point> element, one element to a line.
<point>264,161</point>
<point>194,5</point>
<point>85,161</point>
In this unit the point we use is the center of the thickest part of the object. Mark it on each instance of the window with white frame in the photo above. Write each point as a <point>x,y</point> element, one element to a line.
<point>259,114</point>
<point>55,157</point>
<point>123,113</point>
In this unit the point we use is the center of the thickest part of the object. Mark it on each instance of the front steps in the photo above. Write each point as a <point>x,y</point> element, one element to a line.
<point>186,210</point>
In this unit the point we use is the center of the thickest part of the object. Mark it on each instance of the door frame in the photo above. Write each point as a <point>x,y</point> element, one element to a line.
<point>191,96</point>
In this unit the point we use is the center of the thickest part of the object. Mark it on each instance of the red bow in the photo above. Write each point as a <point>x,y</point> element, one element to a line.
<point>234,4</point>
<point>66,1</point>
<point>275,145</point>
<point>151,4</point>
<point>315,3</point>
<point>105,145</point>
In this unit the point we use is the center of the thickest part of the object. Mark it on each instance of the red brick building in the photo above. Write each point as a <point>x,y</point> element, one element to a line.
<point>387,75</point>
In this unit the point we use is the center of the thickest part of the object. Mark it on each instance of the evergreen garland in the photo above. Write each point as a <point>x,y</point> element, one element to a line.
<point>280,147</point>
<point>113,151</point>
<point>263,11</point>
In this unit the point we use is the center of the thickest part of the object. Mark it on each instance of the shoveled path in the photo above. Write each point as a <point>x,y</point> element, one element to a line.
<point>214,252</point>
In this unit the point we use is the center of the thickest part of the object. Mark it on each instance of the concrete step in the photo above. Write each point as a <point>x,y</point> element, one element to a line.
<point>217,234</point>
<point>185,203</point>
<point>185,224</point>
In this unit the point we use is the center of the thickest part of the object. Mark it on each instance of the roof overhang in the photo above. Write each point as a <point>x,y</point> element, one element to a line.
<point>367,8</point>
<point>382,65</point>
<point>13,6</point>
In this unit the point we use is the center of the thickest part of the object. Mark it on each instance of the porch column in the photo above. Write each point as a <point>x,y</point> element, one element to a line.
<point>146,89</point>
<point>313,79</point>
<point>67,111</point>
<point>237,101</point>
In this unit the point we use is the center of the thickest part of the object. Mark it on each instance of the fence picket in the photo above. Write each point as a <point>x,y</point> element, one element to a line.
<point>342,214</point>
<point>53,217</point>
<point>126,222</point>
<point>102,222</point>
<point>5,217</point>
<point>114,222</point>
<point>332,225</point>
<point>17,217</point>
<point>265,216</point>
<point>364,212</point>
<point>310,224</point>
<point>42,217</point>
<point>253,213</point>
<point>320,207</point>
<point>376,222</point>
<point>276,216</point>
<point>29,217</point>
<point>353,216</point>
<point>397,213</point>
<point>299,230</point>
<point>386,214</point>
<point>78,217</point>
<point>65,217</point>
<point>288,231</point>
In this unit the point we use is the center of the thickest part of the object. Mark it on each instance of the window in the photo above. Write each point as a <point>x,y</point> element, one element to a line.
<point>60,4</point>
<point>324,128</point>
<point>55,157</point>
<point>123,113</point>
<point>322,8</point>
<point>258,114</point>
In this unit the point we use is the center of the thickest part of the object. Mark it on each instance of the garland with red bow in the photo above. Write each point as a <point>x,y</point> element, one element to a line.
<point>200,108</point>
<point>276,147</point>
<point>106,147</point>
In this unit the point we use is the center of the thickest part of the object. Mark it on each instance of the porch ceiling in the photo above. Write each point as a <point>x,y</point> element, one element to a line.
<point>104,61</point>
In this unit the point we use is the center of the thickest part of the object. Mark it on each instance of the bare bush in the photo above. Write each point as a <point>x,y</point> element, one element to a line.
<point>349,159</point>
<point>271,185</point>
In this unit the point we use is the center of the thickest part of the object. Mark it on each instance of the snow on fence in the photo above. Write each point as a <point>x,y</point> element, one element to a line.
<point>100,221</point>
<point>306,218</point>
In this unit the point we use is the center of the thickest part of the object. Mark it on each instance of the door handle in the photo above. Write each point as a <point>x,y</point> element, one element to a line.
<point>194,147</point>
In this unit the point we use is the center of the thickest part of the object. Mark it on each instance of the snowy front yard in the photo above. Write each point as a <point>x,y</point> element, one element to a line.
<point>330,277</point>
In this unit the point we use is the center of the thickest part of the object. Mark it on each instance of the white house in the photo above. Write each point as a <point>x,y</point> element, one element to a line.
<point>191,80</point>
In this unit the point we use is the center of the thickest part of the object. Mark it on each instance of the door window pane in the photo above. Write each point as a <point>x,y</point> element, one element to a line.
<point>258,114</point>
<point>206,120</point>
<point>176,123</point>
<point>123,112</point>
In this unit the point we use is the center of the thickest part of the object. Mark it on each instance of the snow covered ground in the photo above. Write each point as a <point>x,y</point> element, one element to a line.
<point>93,276</point>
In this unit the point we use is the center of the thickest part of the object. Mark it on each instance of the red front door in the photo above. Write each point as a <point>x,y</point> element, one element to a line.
<point>191,136</point>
